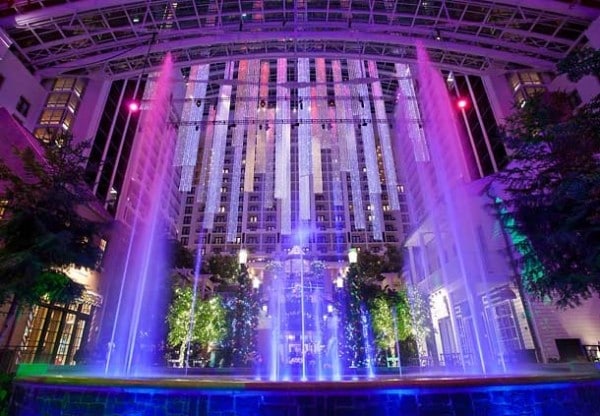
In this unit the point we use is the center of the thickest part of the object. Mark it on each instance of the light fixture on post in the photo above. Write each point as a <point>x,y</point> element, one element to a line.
<point>134,105</point>
<point>255,283</point>
<point>352,256</point>
<point>243,257</point>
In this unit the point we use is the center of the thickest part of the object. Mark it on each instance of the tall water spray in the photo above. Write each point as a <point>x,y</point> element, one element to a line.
<point>447,219</point>
<point>133,327</point>
<point>303,340</point>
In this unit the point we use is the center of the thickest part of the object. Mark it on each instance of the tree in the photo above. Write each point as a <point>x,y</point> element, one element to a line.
<point>421,322</point>
<point>391,317</point>
<point>580,62</point>
<point>245,319</point>
<point>363,286</point>
<point>196,321</point>
<point>223,271</point>
<point>551,201</point>
<point>394,259</point>
<point>241,303</point>
<point>180,256</point>
<point>45,228</point>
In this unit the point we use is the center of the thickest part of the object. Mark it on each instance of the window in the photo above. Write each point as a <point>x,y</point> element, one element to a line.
<point>23,106</point>
<point>56,332</point>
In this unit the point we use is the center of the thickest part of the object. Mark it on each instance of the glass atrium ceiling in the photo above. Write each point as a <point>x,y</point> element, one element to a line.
<point>118,38</point>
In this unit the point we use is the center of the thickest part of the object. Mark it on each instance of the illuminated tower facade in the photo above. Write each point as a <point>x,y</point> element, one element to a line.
<point>284,152</point>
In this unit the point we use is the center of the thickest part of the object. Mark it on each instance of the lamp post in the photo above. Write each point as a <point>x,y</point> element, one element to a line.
<point>240,310</point>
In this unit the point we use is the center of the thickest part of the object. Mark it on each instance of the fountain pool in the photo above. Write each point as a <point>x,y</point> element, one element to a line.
<point>553,393</point>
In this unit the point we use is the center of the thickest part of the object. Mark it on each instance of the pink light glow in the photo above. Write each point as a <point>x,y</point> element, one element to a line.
<point>134,106</point>
<point>462,103</point>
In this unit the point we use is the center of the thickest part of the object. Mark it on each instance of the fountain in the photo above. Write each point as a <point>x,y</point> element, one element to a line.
<point>127,384</point>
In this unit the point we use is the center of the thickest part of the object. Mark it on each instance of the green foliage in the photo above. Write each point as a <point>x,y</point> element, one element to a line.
<point>580,62</point>
<point>224,271</point>
<point>181,256</point>
<point>383,324</point>
<point>364,296</point>
<point>553,205</point>
<point>353,306</point>
<point>209,324</point>
<point>179,316</point>
<point>44,229</point>
<point>244,320</point>
<point>391,320</point>
<point>241,305</point>
<point>420,314</point>
<point>5,390</point>
<point>394,259</point>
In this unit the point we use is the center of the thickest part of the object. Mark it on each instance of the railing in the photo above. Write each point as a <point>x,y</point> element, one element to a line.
<point>592,353</point>
<point>11,356</point>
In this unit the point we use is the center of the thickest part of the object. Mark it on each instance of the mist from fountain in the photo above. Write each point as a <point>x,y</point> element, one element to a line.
<point>448,221</point>
<point>303,339</point>
<point>137,326</point>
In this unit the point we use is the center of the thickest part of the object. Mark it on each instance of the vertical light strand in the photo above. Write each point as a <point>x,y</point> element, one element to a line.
<point>334,139</point>
<point>341,94</point>
<point>284,161</point>
<point>282,109</point>
<point>320,130</point>
<point>206,155</point>
<point>383,128</point>
<point>362,108</point>
<point>269,128</point>
<point>238,148</point>
<point>250,114</point>
<point>186,153</point>
<point>348,135</point>
<point>250,158</point>
<point>261,137</point>
<point>304,139</point>
<point>410,113</point>
<point>218,150</point>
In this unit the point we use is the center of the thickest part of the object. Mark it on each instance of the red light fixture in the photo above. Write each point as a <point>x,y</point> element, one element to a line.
<point>462,103</point>
<point>134,106</point>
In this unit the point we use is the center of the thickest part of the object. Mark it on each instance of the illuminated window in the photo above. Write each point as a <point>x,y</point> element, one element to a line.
<point>51,117</point>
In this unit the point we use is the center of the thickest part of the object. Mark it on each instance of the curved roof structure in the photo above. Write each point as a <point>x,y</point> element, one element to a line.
<point>118,38</point>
